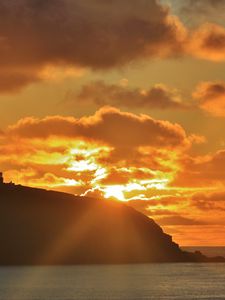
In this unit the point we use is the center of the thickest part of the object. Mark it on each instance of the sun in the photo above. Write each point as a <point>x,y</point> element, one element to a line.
<point>115,191</point>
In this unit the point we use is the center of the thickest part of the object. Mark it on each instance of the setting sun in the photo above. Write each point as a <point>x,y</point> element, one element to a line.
<point>115,191</point>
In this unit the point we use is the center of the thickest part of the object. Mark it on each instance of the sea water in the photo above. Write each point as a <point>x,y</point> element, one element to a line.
<point>143,281</point>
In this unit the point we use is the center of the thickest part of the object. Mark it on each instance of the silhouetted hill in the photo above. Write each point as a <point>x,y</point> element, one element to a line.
<point>46,227</point>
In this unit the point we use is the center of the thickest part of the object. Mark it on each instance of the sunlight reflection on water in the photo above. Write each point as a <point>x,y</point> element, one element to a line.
<point>146,281</point>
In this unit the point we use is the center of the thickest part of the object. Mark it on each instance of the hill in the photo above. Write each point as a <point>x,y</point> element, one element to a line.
<point>47,227</point>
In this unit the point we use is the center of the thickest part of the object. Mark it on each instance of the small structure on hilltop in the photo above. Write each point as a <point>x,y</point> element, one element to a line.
<point>1,178</point>
<point>3,184</point>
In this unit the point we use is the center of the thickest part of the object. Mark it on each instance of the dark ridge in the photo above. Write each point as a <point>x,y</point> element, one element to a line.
<point>39,227</point>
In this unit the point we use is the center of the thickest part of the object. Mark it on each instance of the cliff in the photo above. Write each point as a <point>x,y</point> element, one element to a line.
<point>46,227</point>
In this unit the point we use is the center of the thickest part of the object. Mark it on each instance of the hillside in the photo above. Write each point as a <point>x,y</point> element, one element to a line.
<point>46,227</point>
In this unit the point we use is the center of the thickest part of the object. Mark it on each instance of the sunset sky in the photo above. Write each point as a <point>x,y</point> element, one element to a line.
<point>119,99</point>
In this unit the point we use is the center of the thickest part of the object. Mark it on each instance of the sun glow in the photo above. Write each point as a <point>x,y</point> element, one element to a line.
<point>82,166</point>
<point>115,191</point>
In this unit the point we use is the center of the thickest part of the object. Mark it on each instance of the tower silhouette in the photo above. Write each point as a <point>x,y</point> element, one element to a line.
<point>1,178</point>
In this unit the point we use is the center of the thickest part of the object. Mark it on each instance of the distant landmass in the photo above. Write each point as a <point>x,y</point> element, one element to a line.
<point>210,251</point>
<point>39,227</point>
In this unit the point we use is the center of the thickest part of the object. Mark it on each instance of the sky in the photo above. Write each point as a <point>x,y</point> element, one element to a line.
<point>119,100</point>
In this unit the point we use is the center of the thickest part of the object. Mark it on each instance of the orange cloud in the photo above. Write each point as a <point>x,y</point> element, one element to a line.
<point>210,201</point>
<point>204,171</point>
<point>211,97</point>
<point>108,126</point>
<point>208,42</point>
<point>121,154</point>
<point>131,152</point>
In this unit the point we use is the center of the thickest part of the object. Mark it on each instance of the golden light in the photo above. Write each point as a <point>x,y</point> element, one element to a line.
<point>82,165</point>
<point>100,173</point>
<point>87,165</point>
<point>160,185</point>
<point>115,191</point>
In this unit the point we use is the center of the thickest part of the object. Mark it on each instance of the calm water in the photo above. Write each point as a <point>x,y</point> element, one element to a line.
<point>149,281</point>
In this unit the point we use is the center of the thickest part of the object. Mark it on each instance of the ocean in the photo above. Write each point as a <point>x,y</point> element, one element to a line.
<point>111,282</point>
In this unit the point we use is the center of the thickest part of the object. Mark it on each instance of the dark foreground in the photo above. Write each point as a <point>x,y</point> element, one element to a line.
<point>39,227</point>
<point>184,281</point>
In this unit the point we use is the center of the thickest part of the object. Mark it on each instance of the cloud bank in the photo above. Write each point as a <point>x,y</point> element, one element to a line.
<point>108,126</point>
<point>93,34</point>
<point>158,97</point>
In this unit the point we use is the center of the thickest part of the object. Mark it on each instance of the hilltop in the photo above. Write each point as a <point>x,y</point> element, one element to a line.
<point>47,227</point>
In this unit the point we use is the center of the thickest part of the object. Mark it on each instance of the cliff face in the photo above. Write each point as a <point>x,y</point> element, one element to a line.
<point>45,227</point>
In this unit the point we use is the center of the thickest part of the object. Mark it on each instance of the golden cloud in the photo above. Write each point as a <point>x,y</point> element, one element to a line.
<point>109,126</point>
<point>110,150</point>
<point>208,42</point>
<point>207,170</point>
<point>211,97</point>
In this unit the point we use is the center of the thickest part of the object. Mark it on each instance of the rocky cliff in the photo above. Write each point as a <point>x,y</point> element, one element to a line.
<point>46,227</point>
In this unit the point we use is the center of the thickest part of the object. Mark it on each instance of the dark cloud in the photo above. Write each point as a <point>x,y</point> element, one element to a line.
<point>157,97</point>
<point>92,34</point>
<point>13,80</point>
